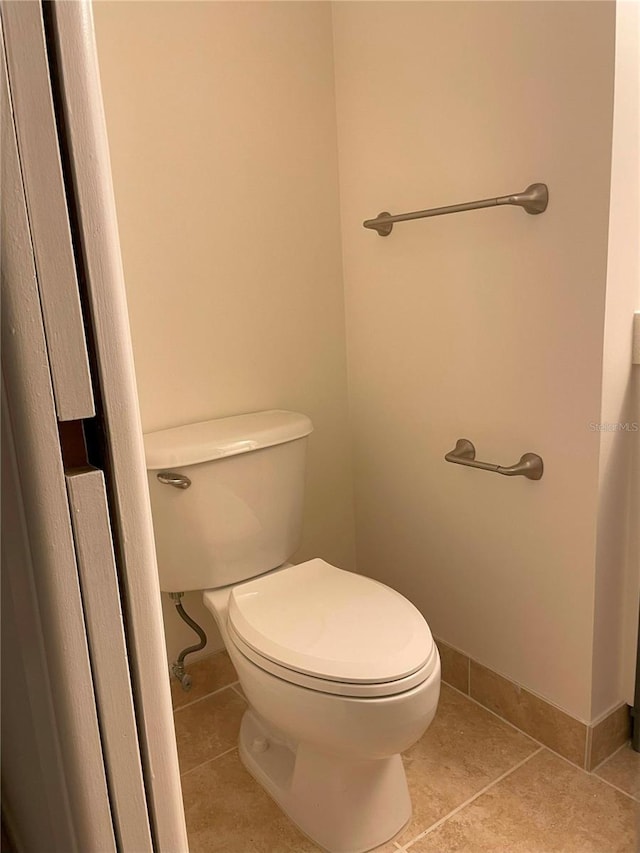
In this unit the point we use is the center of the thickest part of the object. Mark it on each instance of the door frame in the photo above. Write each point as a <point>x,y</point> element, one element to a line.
<point>69,49</point>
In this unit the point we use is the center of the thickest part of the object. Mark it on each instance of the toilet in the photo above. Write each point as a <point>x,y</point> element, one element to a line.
<point>340,672</point>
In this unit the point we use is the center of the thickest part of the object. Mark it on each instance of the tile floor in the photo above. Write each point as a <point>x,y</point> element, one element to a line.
<point>477,784</point>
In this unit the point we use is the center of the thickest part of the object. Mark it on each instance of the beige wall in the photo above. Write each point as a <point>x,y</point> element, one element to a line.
<point>221,122</point>
<point>484,325</point>
<point>487,325</point>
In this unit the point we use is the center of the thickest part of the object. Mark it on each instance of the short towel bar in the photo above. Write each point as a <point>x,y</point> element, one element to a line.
<point>534,200</point>
<point>530,465</point>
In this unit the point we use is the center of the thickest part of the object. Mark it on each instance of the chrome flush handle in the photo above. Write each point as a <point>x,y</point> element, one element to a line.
<point>170,478</point>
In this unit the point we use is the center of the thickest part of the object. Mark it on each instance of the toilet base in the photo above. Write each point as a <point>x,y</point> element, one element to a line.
<point>344,805</point>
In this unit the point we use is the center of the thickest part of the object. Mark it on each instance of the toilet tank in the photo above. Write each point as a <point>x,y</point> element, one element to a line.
<point>241,513</point>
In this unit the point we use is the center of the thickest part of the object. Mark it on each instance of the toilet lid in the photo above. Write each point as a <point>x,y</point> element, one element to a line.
<point>331,624</point>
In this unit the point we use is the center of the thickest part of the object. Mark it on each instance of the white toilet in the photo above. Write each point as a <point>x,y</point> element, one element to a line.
<point>341,672</point>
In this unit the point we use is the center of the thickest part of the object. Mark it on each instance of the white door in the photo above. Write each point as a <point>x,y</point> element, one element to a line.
<point>89,757</point>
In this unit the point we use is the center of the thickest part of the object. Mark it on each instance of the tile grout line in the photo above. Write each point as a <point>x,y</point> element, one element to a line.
<point>609,757</point>
<point>234,687</point>
<point>587,749</point>
<point>588,727</point>
<point>206,696</point>
<point>549,748</point>
<point>521,731</point>
<point>505,721</point>
<point>615,788</point>
<point>468,802</point>
<point>208,761</point>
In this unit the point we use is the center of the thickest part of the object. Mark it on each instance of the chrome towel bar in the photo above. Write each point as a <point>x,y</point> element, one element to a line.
<point>530,465</point>
<point>534,200</point>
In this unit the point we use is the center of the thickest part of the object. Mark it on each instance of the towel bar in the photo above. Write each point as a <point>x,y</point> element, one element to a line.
<point>530,465</point>
<point>534,200</point>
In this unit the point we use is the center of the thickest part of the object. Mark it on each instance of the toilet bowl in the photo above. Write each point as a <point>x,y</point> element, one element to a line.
<point>341,675</point>
<point>340,672</point>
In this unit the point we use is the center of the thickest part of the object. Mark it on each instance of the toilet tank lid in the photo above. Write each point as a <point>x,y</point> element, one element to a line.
<point>202,442</point>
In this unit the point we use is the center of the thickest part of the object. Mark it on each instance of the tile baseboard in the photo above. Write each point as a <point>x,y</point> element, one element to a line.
<point>608,735</point>
<point>587,746</point>
<point>455,667</point>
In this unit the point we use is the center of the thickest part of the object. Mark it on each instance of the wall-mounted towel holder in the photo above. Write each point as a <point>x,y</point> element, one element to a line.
<point>530,465</point>
<point>534,200</point>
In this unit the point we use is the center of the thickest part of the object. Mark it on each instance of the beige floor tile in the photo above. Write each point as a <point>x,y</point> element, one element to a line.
<point>207,674</point>
<point>545,806</point>
<point>623,770</point>
<point>226,810</point>
<point>463,750</point>
<point>208,728</point>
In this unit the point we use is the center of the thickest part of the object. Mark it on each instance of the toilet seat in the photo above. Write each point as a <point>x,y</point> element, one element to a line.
<point>337,688</point>
<point>332,631</point>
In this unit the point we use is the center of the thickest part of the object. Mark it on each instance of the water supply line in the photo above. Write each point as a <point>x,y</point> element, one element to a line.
<point>177,668</point>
